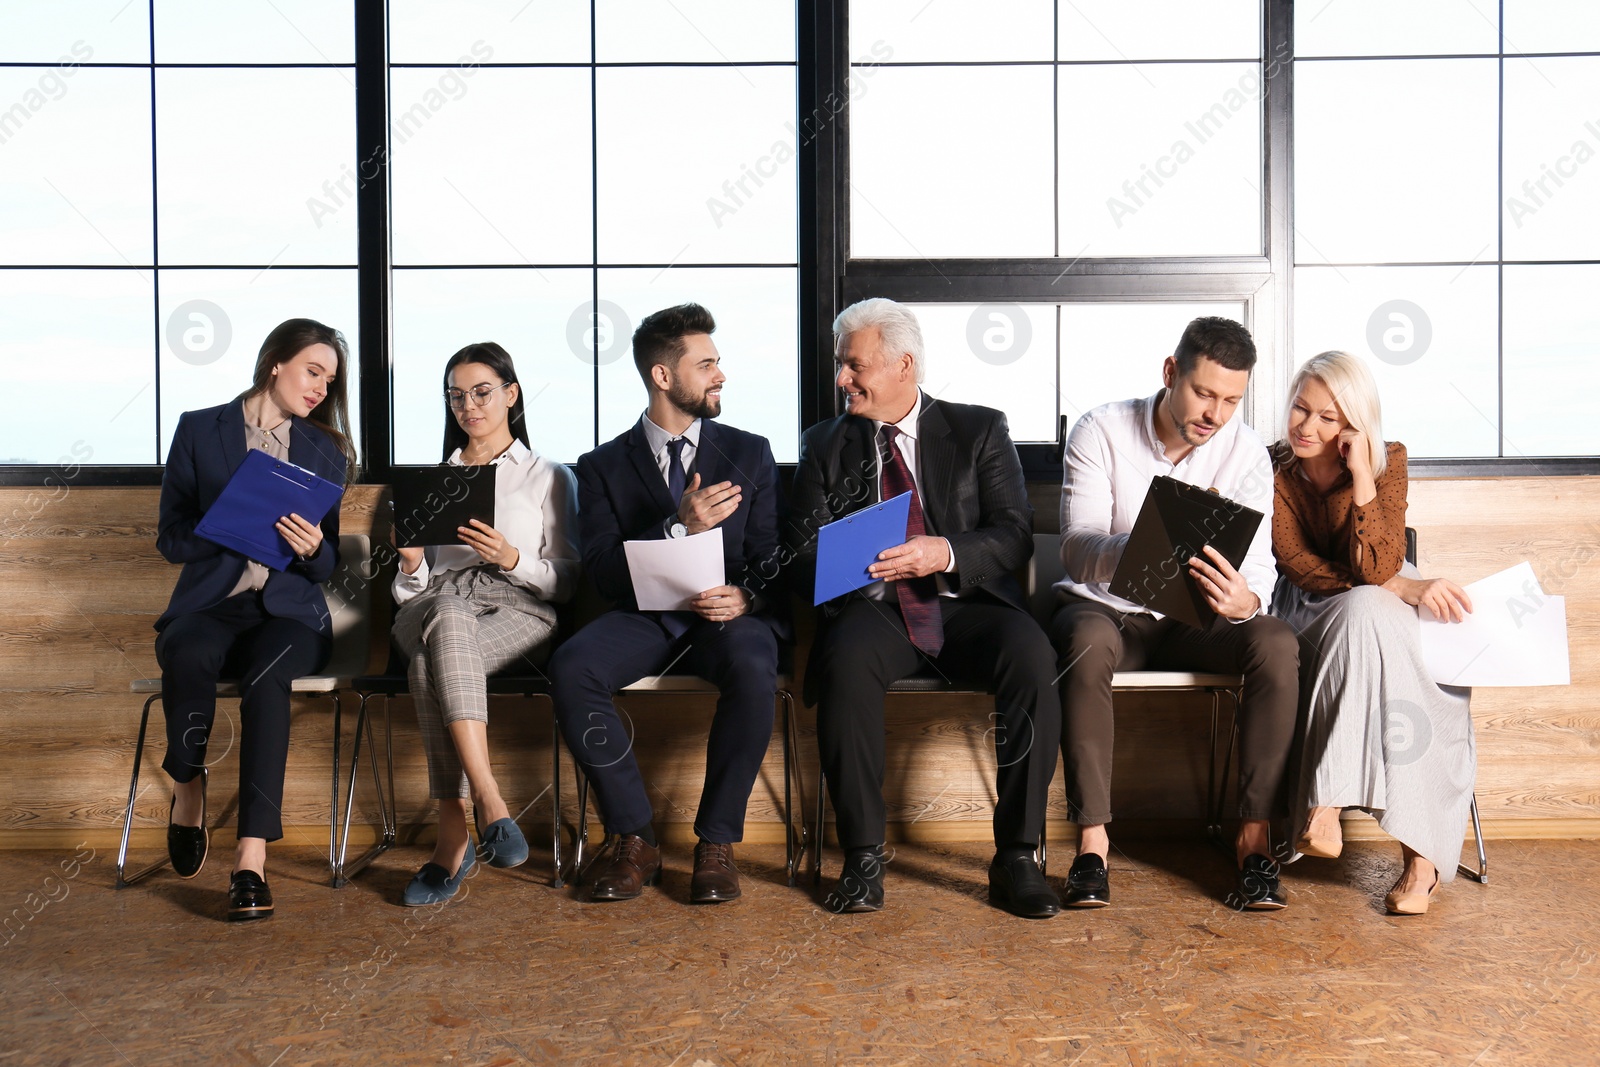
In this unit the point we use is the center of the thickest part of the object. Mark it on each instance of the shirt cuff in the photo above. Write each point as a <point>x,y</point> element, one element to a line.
<point>413,583</point>
<point>949,568</point>
<point>1261,609</point>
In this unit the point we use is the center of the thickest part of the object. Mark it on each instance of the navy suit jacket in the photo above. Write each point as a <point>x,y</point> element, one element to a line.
<point>207,448</point>
<point>623,497</point>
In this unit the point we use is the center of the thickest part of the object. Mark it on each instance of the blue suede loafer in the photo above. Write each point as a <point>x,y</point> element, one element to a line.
<point>501,844</point>
<point>435,885</point>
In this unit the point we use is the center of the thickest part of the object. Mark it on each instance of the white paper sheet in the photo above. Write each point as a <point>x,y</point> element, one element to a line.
<point>1516,635</point>
<point>670,572</point>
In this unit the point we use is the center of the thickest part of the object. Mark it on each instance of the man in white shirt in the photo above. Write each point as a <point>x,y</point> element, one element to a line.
<point>1185,431</point>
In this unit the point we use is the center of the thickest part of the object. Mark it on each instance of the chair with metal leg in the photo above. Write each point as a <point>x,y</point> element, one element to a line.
<point>794,837</point>
<point>528,682</point>
<point>349,605</point>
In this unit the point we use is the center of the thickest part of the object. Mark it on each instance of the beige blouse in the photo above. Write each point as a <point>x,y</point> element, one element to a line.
<point>1322,541</point>
<point>275,443</point>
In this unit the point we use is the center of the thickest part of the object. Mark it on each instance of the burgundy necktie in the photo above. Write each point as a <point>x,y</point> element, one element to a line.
<point>919,597</point>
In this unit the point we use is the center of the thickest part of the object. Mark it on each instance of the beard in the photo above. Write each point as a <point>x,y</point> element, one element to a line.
<point>700,406</point>
<point>1192,439</point>
<point>1185,429</point>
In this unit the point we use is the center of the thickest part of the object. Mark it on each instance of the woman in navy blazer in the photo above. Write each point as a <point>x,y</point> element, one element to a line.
<point>231,617</point>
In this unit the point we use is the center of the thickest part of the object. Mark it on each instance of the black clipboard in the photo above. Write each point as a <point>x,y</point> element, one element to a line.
<point>431,502</point>
<point>1176,521</point>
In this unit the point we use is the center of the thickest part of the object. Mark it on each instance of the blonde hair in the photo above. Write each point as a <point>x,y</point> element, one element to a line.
<point>1356,394</point>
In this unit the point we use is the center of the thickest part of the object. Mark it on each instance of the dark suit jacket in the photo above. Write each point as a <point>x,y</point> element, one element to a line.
<point>207,448</point>
<point>623,497</point>
<point>973,495</point>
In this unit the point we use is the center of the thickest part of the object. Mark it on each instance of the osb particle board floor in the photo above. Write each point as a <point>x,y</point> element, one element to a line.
<point>515,972</point>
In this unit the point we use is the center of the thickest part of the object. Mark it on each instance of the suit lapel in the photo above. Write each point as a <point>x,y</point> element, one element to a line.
<point>937,463</point>
<point>858,458</point>
<point>644,465</point>
<point>710,459</point>
<point>230,433</point>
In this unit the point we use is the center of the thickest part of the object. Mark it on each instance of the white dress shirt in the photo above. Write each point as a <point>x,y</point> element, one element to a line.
<point>536,511</point>
<point>1112,454</point>
<point>907,444</point>
<point>657,439</point>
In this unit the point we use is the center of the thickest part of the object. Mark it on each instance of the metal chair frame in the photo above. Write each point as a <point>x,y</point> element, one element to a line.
<point>350,647</point>
<point>1216,685</point>
<point>794,837</point>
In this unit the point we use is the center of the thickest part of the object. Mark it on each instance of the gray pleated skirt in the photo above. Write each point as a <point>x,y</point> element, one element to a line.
<point>1377,732</point>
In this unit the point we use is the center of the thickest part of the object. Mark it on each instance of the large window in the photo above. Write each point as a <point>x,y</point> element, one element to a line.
<point>1056,185</point>
<point>1447,215</point>
<point>1059,184</point>
<point>556,179</point>
<point>1101,130</point>
<point>159,163</point>
<point>1058,188</point>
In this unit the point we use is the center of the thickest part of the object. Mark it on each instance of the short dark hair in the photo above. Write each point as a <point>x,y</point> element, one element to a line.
<point>1219,340</point>
<point>659,338</point>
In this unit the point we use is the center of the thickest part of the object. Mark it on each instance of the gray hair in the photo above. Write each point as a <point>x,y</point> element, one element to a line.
<point>897,328</point>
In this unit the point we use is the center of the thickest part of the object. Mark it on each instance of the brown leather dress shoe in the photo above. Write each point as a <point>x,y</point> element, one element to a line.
<point>715,877</point>
<point>634,865</point>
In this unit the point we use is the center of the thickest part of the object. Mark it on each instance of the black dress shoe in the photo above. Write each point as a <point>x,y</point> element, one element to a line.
<point>1259,889</point>
<point>248,897</point>
<point>1088,883</point>
<point>1018,886</point>
<point>187,845</point>
<point>860,885</point>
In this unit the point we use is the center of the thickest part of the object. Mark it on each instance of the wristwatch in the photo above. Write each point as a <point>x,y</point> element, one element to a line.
<point>677,529</point>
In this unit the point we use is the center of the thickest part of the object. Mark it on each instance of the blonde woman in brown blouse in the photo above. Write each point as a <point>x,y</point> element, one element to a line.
<point>1379,734</point>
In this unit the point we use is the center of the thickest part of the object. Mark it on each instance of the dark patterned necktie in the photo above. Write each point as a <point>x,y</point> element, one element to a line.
<point>919,597</point>
<point>676,478</point>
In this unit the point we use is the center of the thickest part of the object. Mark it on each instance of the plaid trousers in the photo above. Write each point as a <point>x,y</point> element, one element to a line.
<point>465,626</point>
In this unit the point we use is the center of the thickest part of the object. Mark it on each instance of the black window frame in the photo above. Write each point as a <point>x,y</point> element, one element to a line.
<point>829,279</point>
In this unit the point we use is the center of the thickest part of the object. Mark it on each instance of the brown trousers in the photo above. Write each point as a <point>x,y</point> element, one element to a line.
<point>1093,641</point>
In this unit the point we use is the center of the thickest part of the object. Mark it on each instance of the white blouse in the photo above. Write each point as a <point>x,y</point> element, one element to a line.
<point>536,511</point>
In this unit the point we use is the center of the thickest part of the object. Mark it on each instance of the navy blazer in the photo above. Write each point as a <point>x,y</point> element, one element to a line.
<point>623,497</point>
<point>973,494</point>
<point>207,448</point>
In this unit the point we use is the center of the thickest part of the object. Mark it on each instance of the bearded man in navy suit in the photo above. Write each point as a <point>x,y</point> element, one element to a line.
<point>944,604</point>
<point>672,474</point>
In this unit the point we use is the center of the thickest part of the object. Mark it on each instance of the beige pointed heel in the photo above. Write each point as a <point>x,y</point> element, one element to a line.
<point>1322,846</point>
<point>1414,902</point>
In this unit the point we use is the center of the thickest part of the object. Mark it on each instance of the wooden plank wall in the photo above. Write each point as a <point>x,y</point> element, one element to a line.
<point>81,583</point>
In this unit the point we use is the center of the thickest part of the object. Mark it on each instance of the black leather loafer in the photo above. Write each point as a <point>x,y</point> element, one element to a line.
<point>1259,889</point>
<point>248,897</point>
<point>187,845</point>
<point>860,885</point>
<point>1088,883</point>
<point>1018,886</point>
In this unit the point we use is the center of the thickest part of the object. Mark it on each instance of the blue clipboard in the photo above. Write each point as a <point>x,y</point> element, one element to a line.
<point>262,491</point>
<point>847,547</point>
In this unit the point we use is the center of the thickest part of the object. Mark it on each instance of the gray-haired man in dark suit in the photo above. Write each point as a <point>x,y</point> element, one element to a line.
<point>946,601</point>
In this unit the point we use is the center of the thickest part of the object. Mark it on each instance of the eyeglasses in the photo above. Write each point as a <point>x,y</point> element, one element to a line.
<point>458,400</point>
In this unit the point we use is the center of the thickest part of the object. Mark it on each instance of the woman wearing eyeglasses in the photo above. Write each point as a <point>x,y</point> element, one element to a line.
<point>230,617</point>
<point>484,605</point>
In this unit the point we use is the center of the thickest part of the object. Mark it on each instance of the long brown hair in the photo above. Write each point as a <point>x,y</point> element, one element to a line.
<point>287,340</point>
<point>498,360</point>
